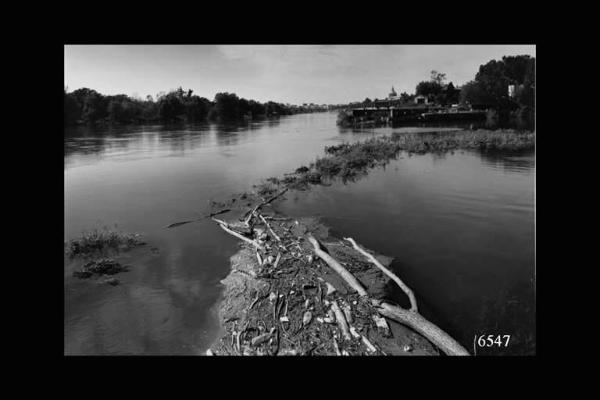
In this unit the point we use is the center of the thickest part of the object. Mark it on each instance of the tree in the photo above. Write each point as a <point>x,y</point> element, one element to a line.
<point>72,110</point>
<point>196,108</point>
<point>429,89</point>
<point>452,94</point>
<point>170,106</point>
<point>226,106</point>
<point>405,97</point>
<point>438,77</point>
<point>94,107</point>
<point>473,93</point>
<point>493,78</point>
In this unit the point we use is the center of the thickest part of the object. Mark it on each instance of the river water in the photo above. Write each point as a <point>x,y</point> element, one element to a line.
<point>460,226</point>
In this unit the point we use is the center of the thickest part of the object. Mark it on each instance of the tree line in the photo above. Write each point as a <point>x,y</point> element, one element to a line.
<point>489,88</point>
<point>87,106</point>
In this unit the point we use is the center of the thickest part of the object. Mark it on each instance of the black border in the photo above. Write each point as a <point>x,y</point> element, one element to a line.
<point>301,31</point>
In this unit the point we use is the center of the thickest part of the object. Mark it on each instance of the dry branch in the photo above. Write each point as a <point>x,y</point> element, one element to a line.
<point>225,227</point>
<point>277,260</point>
<point>270,229</point>
<point>341,320</point>
<point>394,277</point>
<point>175,224</point>
<point>337,267</point>
<point>264,203</point>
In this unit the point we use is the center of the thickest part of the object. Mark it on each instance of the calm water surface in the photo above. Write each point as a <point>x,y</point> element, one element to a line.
<point>461,227</point>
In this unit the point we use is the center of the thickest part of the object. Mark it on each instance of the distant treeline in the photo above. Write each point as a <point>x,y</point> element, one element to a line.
<point>489,89</point>
<point>87,106</point>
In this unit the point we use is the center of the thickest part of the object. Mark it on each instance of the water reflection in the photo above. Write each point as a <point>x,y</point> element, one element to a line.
<point>519,162</point>
<point>174,139</point>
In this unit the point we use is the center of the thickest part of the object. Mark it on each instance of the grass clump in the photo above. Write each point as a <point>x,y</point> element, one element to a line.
<point>104,266</point>
<point>503,140</point>
<point>99,241</point>
<point>348,160</point>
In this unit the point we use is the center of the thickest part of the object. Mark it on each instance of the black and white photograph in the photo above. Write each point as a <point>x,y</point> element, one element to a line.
<point>359,200</point>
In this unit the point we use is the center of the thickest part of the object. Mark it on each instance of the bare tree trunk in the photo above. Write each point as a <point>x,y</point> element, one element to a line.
<point>394,277</point>
<point>410,318</point>
<point>225,227</point>
<point>431,331</point>
<point>332,262</point>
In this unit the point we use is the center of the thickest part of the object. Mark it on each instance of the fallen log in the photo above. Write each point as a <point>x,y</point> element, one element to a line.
<point>337,267</point>
<point>394,277</point>
<point>431,331</point>
<point>225,227</point>
<point>410,318</point>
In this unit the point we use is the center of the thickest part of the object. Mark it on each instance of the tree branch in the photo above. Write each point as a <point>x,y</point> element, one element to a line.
<point>394,277</point>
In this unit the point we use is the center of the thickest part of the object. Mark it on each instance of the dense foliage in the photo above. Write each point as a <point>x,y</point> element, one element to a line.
<point>436,91</point>
<point>490,86</point>
<point>90,107</point>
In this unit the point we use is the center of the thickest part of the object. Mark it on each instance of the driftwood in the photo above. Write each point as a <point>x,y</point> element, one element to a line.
<point>394,277</point>
<point>270,229</point>
<point>337,267</point>
<point>410,318</point>
<point>366,341</point>
<point>336,347</point>
<point>277,260</point>
<point>264,203</point>
<point>176,224</point>
<point>431,331</point>
<point>262,338</point>
<point>225,227</point>
<point>382,325</point>
<point>341,320</point>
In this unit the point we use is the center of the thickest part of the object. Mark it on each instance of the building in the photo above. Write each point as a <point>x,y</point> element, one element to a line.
<point>393,95</point>
<point>511,91</point>
<point>420,99</point>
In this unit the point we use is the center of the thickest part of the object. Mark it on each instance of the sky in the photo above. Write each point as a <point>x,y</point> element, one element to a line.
<point>295,74</point>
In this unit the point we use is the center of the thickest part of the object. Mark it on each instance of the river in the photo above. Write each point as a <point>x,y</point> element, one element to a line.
<point>460,226</point>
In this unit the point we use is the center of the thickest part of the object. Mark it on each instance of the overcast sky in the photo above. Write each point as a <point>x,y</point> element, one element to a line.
<point>295,74</point>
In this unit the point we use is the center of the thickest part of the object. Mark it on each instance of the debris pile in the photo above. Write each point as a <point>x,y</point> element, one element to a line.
<point>280,299</point>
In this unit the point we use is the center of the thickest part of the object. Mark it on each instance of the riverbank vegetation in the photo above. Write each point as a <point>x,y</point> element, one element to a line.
<point>349,160</point>
<point>103,266</point>
<point>87,106</point>
<point>99,241</point>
